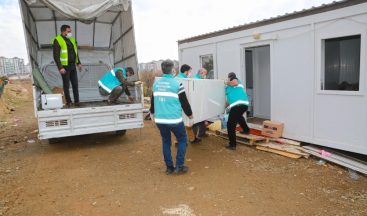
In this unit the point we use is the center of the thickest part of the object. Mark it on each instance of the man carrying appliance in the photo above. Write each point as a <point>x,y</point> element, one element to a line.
<point>168,101</point>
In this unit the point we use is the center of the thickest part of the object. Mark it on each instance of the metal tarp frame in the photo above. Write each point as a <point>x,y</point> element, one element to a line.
<point>116,22</point>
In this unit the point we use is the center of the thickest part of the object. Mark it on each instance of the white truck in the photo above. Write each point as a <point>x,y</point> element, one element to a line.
<point>104,31</point>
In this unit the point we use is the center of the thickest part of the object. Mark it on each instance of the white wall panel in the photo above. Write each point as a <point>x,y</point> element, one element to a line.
<point>48,32</point>
<point>334,119</point>
<point>102,35</point>
<point>85,34</point>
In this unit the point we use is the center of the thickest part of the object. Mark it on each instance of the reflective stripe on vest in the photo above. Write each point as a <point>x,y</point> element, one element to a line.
<point>104,87</point>
<point>64,57</point>
<point>168,121</point>
<point>239,102</point>
<point>165,94</point>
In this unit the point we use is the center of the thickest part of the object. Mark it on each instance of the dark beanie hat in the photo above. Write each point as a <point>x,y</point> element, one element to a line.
<point>232,76</point>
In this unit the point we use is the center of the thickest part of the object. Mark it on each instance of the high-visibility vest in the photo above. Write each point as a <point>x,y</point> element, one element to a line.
<point>167,105</point>
<point>109,81</point>
<point>64,57</point>
<point>181,75</point>
<point>197,76</point>
<point>236,95</point>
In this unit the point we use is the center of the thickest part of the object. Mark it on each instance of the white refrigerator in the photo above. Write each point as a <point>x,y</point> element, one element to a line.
<point>206,97</point>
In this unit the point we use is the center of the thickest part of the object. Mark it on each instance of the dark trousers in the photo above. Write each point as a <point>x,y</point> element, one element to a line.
<point>180,133</point>
<point>71,75</point>
<point>115,93</point>
<point>199,129</point>
<point>236,116</point>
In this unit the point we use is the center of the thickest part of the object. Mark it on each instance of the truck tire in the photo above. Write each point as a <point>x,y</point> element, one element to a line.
<point>121,132</point>
<point>53,141</point>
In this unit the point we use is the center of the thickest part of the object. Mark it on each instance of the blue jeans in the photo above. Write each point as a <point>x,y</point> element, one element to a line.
<point>180,133</point>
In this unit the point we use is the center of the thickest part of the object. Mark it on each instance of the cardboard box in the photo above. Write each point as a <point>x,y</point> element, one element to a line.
<point>216,125</point>
<point>272,129</point>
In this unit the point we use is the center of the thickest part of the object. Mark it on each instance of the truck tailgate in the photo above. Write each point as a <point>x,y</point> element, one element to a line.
<point>78,121</point>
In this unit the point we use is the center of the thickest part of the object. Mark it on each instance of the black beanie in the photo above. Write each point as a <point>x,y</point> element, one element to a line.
<point>232,76</point>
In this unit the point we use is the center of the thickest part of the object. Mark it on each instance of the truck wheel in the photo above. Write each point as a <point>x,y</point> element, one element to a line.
<point>121,132</point>
<point>53,141</point>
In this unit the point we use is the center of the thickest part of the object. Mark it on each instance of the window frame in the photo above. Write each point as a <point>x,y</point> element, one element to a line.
<point>201,63</point>
<point>320,64</point>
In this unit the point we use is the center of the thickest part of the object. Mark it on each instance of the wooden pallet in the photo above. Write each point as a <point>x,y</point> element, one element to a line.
<point>279,152</point>
<point>285,141</point>
<point>287,149</point>
<point>247,139</point>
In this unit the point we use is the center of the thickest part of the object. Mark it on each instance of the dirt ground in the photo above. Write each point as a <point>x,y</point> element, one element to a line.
<point>106,174</point>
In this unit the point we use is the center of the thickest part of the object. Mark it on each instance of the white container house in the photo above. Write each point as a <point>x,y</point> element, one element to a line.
<point>306,69</point>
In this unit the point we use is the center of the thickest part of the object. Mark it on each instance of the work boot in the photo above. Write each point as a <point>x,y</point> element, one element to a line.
<point>77,104</point>
<point>110,102</point>
<point>68,105</point>
<point>195,141</point>
<point>182,169</point>
<point>170,170</point>
<point>230,147</point>
<point>246,132</point>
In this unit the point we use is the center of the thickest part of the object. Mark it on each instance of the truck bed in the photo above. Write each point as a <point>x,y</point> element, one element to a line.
<point>92,117</point>
<point>97,104</point>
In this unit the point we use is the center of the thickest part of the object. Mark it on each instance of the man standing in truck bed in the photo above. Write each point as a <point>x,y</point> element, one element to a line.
<point>65,52</point>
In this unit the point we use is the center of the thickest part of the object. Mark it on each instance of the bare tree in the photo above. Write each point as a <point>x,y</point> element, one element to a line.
<point>148,78</point>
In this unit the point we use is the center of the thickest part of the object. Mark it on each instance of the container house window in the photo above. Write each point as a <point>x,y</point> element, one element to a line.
<point>341,64</point>
<point>206,61</point>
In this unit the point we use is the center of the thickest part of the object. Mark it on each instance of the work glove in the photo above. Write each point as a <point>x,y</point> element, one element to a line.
<point>138,82</point>
<point>152,117</point>
<point>80,67</point>
<point>131,99</point>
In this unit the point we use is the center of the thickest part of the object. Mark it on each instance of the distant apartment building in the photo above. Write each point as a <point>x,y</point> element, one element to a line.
<point>28,68</point>
<point>12,66</point>
<point>154,65</point>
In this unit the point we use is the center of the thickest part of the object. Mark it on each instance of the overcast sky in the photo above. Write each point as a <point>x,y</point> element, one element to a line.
<point>160,24</point>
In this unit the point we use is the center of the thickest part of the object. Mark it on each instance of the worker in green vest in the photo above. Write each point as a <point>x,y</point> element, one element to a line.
<point>65,52</point>
<point>185,71</point>
<point>238,102</point>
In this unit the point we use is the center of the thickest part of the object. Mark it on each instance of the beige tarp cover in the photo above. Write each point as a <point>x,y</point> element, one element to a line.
<point>83,9</point>
<point>98,25</point>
